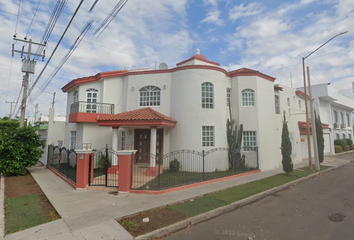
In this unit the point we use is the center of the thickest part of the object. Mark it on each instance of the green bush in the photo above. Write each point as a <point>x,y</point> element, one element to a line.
<point>102,160</point>
<point>346,148</point>
<point>340,142</point>
<point>20,148</point>
<point>174,165</point>
<point>348,141</point>
<point>338,149</point>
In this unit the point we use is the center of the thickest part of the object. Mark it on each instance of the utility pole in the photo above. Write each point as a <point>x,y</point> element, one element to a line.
<point>10,115</point>
<point>53,100</point>
<point>28,66</point>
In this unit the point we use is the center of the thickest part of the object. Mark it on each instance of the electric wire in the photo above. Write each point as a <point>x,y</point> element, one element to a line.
<point>34,15</point>
<point>18,14</point>
<point>66,57</point>
<point>51,24</point>
<point>110,17</point>
<point>56,47</point>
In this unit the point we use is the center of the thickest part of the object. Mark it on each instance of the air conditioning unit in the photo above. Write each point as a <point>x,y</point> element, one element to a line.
<point>335,125</point>
<point>343,125</point>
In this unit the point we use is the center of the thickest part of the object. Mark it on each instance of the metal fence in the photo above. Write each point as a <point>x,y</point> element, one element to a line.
<point>103,168</point>
<point>183,167</point>
<point>81,106</point>
<point>63,161</point>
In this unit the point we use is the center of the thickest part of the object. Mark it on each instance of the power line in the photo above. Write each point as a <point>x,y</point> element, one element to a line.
<point>66,57</point>
<point>110,17</point>
<point>34,15</point>
<point>56,47</point>
<point>18,14</point>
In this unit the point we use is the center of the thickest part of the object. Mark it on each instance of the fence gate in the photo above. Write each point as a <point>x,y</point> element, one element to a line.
<point>104,168</point>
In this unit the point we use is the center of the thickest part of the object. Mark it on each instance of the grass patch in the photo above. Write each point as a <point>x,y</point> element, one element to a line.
<point>171,179</point>
<point>23,212</point>
<point>228,196</point>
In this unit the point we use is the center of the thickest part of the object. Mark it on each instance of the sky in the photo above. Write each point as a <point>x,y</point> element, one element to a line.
<point>270,36</point>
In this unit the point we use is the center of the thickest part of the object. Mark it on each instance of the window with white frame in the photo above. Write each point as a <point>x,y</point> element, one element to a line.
<point>207,95</point>
<point>91,100</point>
<point>343,136</point>
<point>341,118</point>
<point>76,97</point>
<point>150,96</point>
<point>337,135</point>
<point>277,104</point>
<point>228,96</point>
<point>300,104</point>
<point>249,140</point>
<point>72,139</point>
<point>247,97</point>
<point>335,116</point>
<point>207,136</point>
<point>122,140</point>
<point>348,120</point>
<point>288,101</point>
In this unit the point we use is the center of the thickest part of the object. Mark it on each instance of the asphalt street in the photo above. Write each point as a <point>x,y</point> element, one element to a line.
<point>320,208</point>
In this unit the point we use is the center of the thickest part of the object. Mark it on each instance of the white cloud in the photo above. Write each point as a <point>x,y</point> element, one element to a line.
<point>244,11</point>
<point>213,17</point>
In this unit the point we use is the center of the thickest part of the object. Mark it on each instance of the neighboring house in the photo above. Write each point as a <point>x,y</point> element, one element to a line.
<point>335,110</point>
<point>51,129</point>
<point>186,107</point>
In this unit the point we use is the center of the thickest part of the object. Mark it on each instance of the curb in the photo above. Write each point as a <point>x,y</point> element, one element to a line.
<point>219,211</point>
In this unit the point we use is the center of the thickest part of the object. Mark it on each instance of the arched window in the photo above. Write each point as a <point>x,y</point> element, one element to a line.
<point>91,99</point>
<point>150,96</point>
<point>247,97</point>
<point>76,96</point>
<point>207,95</point>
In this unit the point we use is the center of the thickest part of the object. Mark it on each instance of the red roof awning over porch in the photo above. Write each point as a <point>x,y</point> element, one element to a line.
<point>139,117</point>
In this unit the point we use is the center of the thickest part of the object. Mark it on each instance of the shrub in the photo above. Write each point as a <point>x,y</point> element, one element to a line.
<point>338,149</point>
<point>286,149</point>
<point>348,141</point>
<point>346,148</point>
<point>340,142</point>
<point>174,165</point>
<point>102,161</point>
<point>20,148</point>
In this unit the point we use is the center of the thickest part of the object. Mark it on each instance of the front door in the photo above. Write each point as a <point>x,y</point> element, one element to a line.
<point>142,144</point>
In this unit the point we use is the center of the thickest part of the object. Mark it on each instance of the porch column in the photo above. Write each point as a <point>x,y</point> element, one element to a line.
<point>153,146</point>
<point>115,145</point>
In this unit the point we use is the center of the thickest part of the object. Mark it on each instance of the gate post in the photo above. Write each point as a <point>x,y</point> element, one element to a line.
<point>125,170</point>
<point>82,168</point>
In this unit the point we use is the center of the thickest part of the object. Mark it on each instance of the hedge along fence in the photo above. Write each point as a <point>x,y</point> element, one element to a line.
<point>343,145</point>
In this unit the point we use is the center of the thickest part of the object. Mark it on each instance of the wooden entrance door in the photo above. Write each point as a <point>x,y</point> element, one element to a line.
<point>142,144</point>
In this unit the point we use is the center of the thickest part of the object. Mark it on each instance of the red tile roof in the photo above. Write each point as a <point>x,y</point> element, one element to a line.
<point>302,94</point>
<point>143,114</point>
<point>199,57</point>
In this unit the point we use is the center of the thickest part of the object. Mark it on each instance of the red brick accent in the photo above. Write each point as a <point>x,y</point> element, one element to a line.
<point>85,117</point>
<point>151,171</point>
<point>125,172</point>
<point>82,172</point>
<point>113,169</point>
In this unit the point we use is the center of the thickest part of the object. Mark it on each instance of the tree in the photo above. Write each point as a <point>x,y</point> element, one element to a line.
<point>234,139</point>
<point>19,149</point>
<point>320,138</point>
<point>286,149</point>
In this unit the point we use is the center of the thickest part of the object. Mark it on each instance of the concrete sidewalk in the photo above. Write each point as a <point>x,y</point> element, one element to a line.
<point>91,214</point>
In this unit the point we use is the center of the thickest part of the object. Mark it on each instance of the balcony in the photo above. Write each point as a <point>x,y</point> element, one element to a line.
<point>335,125</point>
<point>88,112</point>
<point>343,126</point>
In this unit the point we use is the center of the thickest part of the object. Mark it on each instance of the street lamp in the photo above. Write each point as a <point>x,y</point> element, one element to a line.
<point>306,107</point>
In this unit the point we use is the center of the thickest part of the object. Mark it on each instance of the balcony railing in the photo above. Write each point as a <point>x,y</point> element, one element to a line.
<point>80,106</point>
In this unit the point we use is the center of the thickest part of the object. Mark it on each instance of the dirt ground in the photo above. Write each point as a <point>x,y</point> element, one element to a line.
<point>23,185</point>
<point>158,218</point>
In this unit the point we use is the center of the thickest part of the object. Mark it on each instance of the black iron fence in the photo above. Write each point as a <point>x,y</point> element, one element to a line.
<point>184,167</point>
<point>103,168</point>
<point>63,161</point>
